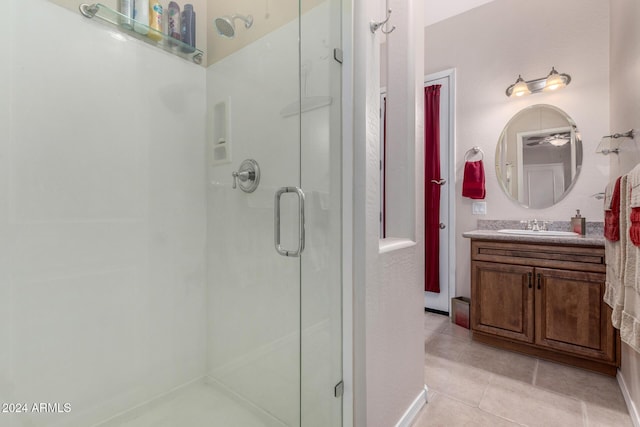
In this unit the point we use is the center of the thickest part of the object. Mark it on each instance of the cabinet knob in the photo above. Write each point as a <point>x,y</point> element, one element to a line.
<point>539,276</point>
<point>530,279</point>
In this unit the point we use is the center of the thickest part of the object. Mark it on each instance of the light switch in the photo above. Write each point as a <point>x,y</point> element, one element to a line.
<point>479,208</point>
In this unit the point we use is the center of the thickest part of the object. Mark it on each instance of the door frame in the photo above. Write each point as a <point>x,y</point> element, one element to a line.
<point>451,176</point>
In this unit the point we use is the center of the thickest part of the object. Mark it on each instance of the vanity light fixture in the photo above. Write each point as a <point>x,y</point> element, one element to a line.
<point>520,88</point>
<point>556,80</point>
<point>553,81</point>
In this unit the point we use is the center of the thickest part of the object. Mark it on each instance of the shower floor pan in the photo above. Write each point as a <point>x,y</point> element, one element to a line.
<point>201,403</point>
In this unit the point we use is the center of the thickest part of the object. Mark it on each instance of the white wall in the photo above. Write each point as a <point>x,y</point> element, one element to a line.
<point>625,115</point>
<point>102,218</point>
<point>389,286</point>
<point>438,10</point>
<point>489,46</point>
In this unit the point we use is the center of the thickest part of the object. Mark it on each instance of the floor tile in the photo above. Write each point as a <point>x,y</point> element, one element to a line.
<point>429,334</point>
<point>443,411</point>
<point>434,321</point>
<point>529,405</point>
<point>472,384</point>
<point>502,362</point>
<point>455,331</point>
<point>599,416</point>
<point>446,346</point>
<point>584,385</point>
<point>464,383</point>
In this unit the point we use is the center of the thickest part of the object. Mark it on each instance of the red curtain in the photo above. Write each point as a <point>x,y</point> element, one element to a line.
<point>432,189</point>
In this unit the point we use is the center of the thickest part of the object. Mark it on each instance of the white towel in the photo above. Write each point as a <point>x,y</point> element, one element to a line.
<point>620,261</point>
<point>608,194</point>
<point>634,186</point>
<point>630,327</point>
<point>612,254</point>
<point>630,316</point>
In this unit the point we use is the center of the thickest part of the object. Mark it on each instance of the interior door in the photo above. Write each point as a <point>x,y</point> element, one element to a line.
<point>537,181</point>
<point>440,301</point>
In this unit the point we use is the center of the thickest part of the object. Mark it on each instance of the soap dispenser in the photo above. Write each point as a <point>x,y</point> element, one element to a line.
<point>579,224</point>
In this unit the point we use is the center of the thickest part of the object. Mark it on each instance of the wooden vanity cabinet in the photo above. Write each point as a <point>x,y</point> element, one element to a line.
<point>543,300</point>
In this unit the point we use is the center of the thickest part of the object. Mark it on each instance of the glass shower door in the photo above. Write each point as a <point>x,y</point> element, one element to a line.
<point>253,343</point>
<point>321,164</point>
<point>275,326</point>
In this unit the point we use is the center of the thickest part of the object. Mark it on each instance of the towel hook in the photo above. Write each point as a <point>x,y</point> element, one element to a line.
<point>374,26</point>
<point>473,151</point>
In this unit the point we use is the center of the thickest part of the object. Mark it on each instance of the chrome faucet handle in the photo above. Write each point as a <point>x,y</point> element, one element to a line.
<point>544,225</point>
<point>242,176</point>
<point>526,224</point>
<point>249,176</point>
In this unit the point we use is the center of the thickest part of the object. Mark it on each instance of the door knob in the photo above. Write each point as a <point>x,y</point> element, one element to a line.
<point>442,226</point>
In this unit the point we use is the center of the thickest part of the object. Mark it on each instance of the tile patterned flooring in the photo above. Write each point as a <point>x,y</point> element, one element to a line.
<point>471,384</point>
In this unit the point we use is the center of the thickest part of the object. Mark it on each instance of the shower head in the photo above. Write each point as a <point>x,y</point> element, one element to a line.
<point>226,27</point>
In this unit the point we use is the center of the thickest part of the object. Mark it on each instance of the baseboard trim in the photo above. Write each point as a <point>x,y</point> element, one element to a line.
<point>633,411</point>
<point>409,416</point>
<point>434,311</point>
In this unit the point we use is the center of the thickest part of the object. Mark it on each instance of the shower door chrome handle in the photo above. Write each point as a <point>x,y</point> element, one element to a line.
<point>301,236</point>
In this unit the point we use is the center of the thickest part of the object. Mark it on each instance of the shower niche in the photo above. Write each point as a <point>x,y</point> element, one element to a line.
<point>142,32</point>
<point>219,140</point>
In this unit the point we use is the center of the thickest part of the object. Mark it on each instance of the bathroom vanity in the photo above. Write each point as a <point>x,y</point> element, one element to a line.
<point>543,296</point>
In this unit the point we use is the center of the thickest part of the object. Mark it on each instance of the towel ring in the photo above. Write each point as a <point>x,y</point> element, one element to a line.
<point>473,151</point>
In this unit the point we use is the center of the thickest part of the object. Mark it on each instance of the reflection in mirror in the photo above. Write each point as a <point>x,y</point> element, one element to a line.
<point>539,156</point>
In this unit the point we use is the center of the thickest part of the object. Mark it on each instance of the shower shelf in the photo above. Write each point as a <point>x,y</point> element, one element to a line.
<point>163,41</point>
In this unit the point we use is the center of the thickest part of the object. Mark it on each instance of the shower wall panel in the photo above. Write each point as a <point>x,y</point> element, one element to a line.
<point>102,218</point>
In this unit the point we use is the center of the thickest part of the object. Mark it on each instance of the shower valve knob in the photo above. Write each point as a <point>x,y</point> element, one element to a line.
<point>249,176</point>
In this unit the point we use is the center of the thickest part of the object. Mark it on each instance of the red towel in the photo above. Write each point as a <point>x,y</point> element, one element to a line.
<point>612,215</point>
<point>634,230</point>
<point>473,184</point>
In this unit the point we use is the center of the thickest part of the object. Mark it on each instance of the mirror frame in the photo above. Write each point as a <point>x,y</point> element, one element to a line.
<point>576,140</point>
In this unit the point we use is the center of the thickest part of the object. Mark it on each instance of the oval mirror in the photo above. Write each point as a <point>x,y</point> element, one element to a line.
<point>539,156</point>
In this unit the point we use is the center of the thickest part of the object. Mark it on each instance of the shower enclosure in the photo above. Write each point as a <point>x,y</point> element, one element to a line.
<point>140,284</point>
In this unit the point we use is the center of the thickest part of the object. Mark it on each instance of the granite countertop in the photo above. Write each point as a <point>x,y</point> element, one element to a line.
<point>488,230</point>
<point>588,240</point>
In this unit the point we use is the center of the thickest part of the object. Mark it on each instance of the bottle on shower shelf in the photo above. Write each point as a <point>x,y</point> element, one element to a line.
<point>155,20</point>
<point>173,21</point>
<point>141,16</point>
<point>125,7</point>
<point>188,28</point>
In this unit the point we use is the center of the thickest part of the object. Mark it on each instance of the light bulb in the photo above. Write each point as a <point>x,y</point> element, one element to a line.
<point>520,88</point>
<point>554,80</point>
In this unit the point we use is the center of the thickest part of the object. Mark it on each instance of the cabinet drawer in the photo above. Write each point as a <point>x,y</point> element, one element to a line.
<point>580,258</point>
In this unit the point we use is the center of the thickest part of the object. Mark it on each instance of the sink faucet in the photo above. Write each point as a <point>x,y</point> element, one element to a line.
<point>535,225</point>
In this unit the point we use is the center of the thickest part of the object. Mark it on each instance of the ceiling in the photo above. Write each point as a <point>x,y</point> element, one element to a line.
<point>439,10</point>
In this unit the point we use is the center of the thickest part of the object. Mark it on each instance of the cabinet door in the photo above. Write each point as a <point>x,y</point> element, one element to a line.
<point>571,315</point>
<point>502,300</point>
